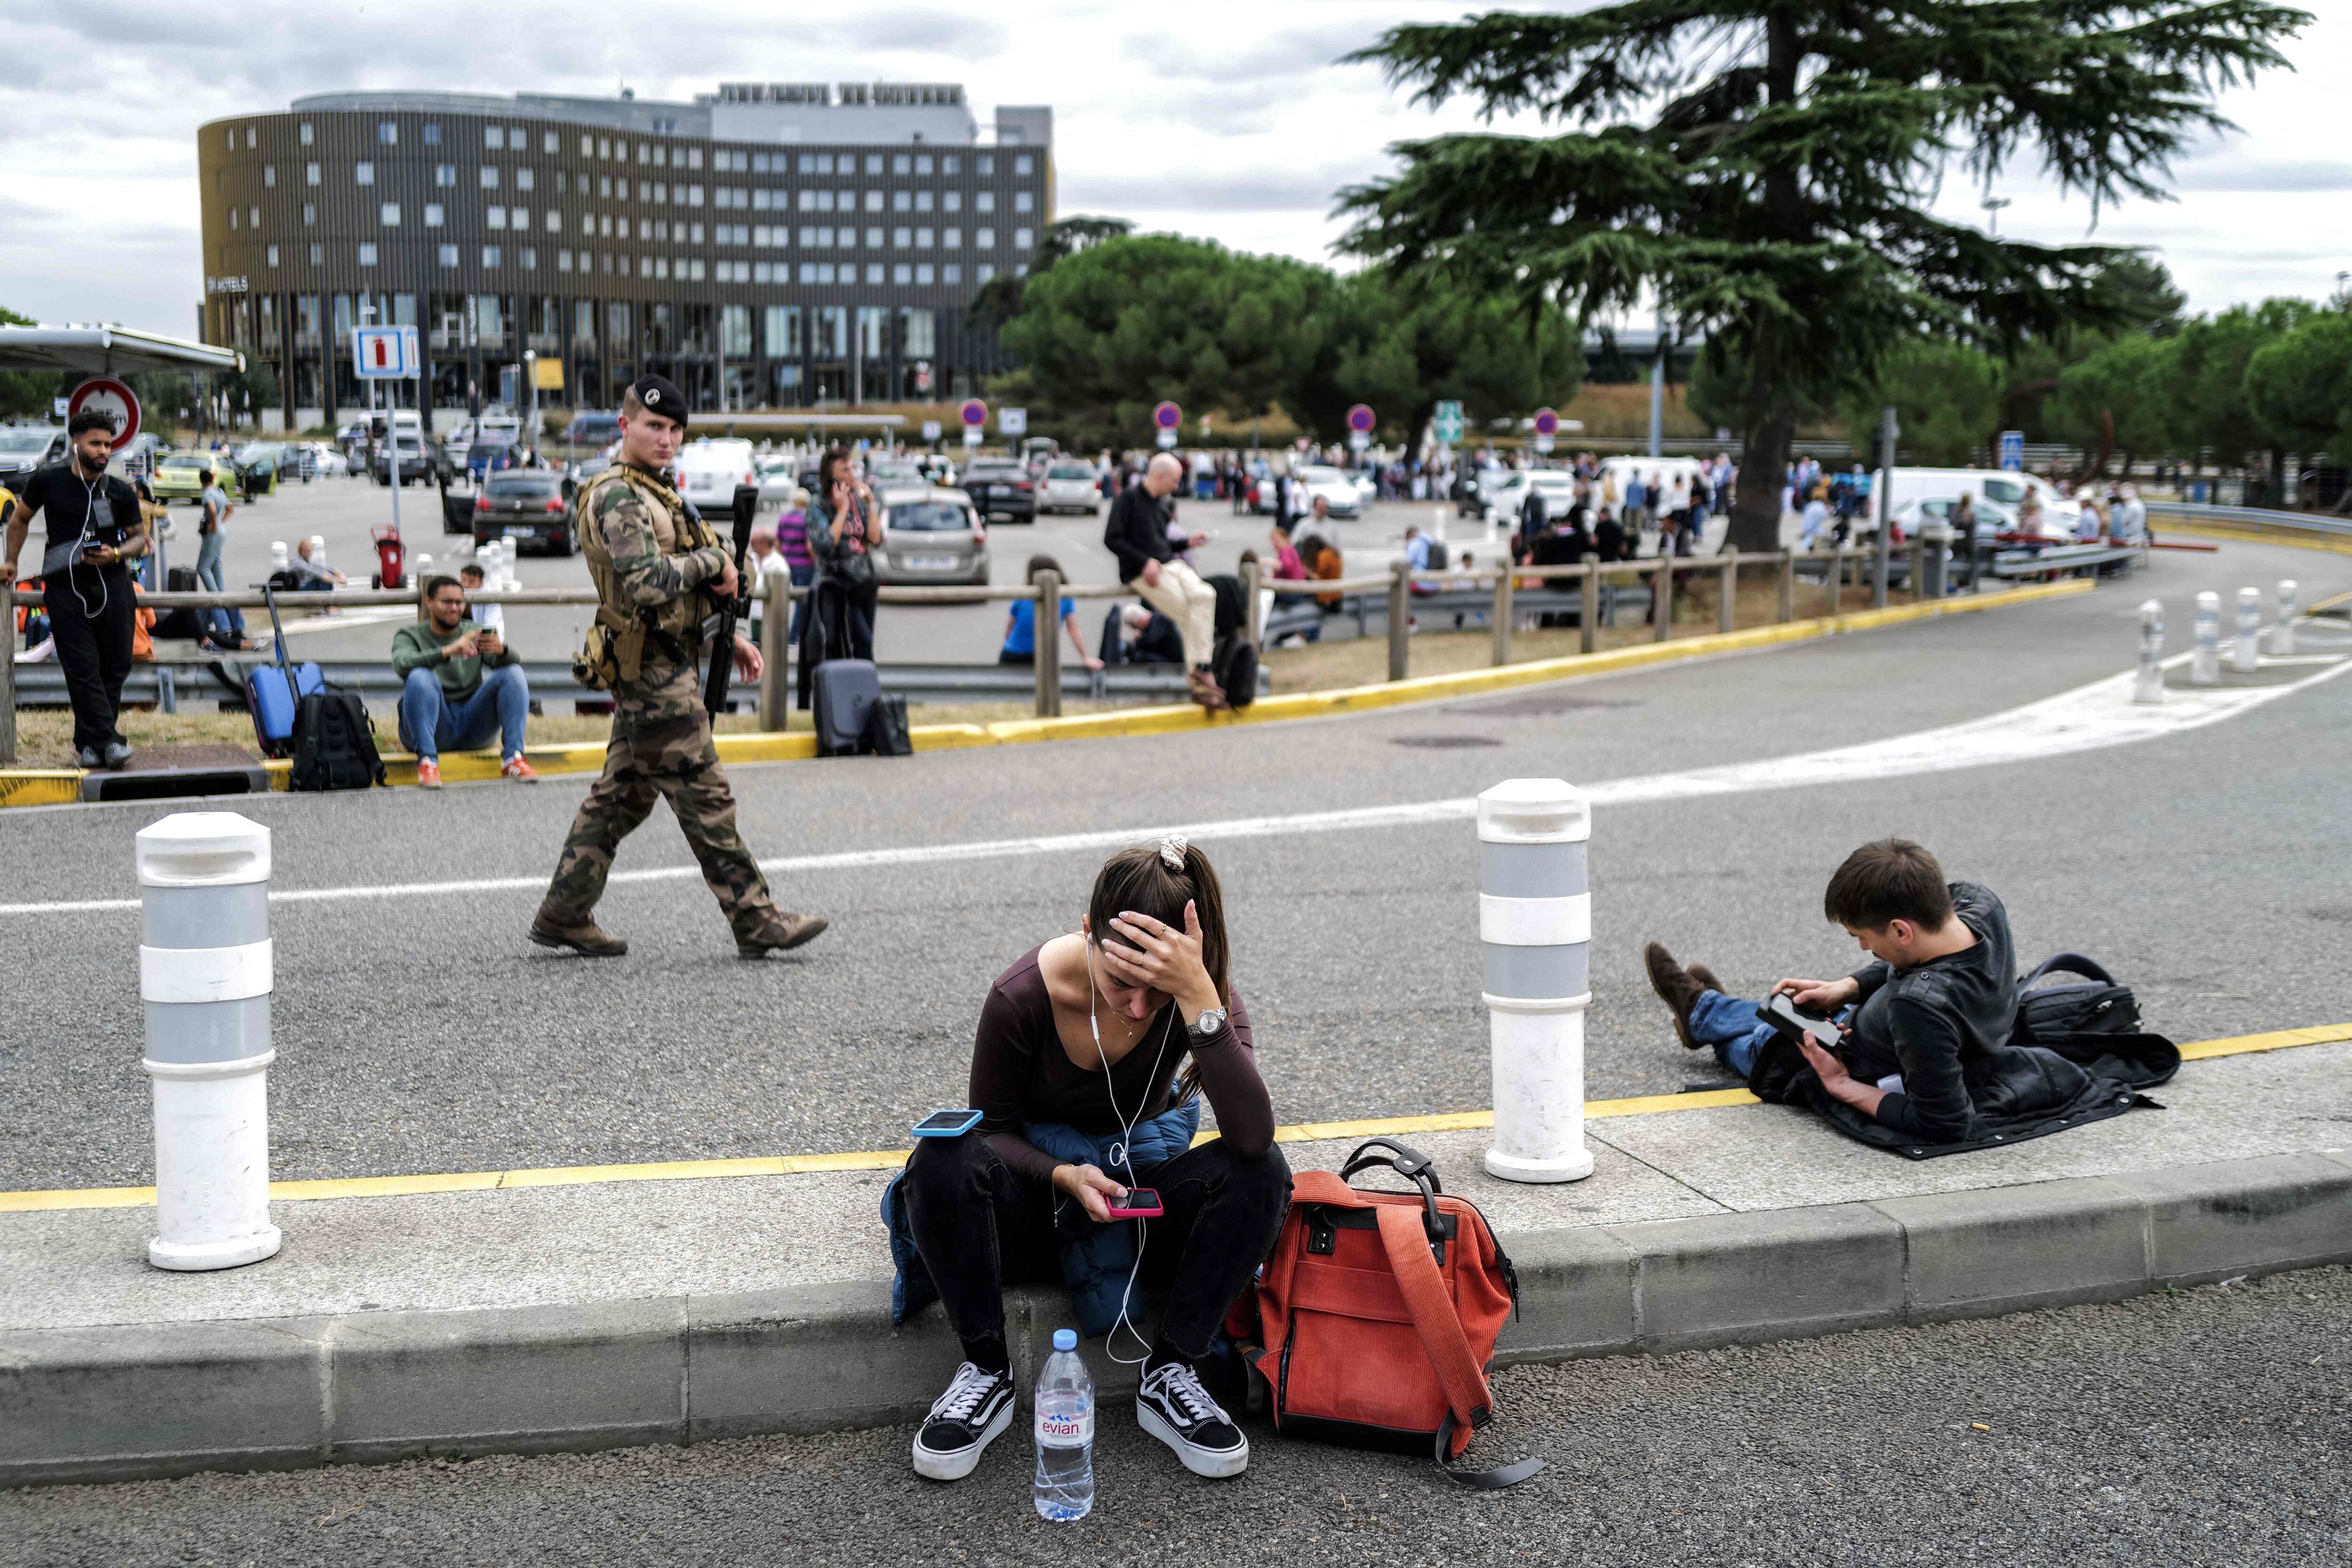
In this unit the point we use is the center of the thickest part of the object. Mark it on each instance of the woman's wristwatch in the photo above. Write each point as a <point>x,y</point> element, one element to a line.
<point>1211,1020</point>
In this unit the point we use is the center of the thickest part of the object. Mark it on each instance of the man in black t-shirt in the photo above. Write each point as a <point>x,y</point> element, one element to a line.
<point>94,526</point>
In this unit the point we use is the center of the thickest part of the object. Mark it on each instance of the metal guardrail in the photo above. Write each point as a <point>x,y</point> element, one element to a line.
<point>2252,517</point>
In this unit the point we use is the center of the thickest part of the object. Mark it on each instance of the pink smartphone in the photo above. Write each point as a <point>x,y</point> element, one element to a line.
<point>1140,1202</point>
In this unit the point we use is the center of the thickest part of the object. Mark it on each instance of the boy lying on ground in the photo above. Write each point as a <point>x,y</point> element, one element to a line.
<point>1926,1063</point>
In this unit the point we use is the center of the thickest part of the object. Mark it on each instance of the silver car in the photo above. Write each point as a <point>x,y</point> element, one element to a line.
<point>931,536</point>
<point>1075,486</point>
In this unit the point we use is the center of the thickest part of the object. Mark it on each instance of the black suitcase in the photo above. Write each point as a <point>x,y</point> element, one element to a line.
<point>886,731</point>
<point>846,691</point>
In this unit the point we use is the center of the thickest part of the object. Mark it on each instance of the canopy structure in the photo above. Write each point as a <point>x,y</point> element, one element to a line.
<point>108,350</point>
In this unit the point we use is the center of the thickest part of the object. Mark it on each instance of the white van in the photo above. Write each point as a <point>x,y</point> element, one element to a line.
<point>709,470</point>
<point>1661,471</point>
<point>2004,486</point>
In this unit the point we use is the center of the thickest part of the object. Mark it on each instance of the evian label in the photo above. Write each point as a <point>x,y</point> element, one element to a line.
<point>1062,1425</point>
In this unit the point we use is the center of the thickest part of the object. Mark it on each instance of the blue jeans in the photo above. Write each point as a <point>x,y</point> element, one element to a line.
<point>429,720</point>
<point>208,575</point>
<point>802,577</point>
<point>1736,1029</point>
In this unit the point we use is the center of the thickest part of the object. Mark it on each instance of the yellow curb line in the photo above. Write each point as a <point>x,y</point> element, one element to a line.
<point>2250,535</point>
<point>891,1159</point>
<point>61,786</point>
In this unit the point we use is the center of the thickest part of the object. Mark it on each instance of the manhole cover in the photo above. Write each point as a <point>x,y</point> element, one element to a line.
<point>1535,705</point>
<point>1445,742</point>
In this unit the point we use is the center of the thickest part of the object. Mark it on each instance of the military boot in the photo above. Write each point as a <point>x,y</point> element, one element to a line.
<point>781,934</point>
<point>585,938</point>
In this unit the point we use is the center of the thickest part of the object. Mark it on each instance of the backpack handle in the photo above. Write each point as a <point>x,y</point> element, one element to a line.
<point>1409,1163</point>
<point>2069,964</point>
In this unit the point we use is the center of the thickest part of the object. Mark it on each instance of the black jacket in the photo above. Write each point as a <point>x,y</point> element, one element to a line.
<point>1136,531</point>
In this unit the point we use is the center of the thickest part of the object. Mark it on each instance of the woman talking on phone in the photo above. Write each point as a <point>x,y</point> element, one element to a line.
<point>1083,1035</point>
<point>844,527</point>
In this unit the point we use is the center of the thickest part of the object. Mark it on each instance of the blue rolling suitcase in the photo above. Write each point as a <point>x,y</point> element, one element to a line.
<point>274,691</point>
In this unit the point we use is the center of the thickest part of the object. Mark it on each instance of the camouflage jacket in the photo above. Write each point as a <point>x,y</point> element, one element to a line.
<point>649,560</point>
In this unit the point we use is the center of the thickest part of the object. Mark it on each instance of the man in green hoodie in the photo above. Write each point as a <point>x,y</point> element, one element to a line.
<point>462,682</point>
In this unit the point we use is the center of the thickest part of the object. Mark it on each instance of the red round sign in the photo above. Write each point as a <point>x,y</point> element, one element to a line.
<point>1547,422</point>
<point>108,396</point>
<point>974,411</point>
<point>1167,416</point>
<point>1360,418</point>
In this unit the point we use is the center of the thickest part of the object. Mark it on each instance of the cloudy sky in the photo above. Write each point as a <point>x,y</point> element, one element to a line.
<point>1212,117</point>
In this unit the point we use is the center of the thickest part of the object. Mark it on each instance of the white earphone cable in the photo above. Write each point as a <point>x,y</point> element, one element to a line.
<point>1121,1153</point>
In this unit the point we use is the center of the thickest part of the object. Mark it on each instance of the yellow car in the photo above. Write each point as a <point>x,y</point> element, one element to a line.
<point>183,476</point>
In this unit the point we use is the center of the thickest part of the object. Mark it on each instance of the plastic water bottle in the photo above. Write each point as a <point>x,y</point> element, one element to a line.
<point>1066,1433</point>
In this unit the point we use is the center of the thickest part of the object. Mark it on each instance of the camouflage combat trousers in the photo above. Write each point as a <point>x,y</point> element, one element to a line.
<point>662,746</point>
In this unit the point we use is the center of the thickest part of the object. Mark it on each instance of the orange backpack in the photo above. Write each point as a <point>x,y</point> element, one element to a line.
<point>1376,1314</point>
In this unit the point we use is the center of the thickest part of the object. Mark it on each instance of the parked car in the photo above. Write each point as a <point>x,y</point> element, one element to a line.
<point>423,460</point>
<point>528,505</point>
<point>2003,486</point>
<point>24,448</point>
<point>1072,485</point>
<point>931,535</point>
<point>326,461</point>
<point>938,468</point>
<point>1504,494</point>
<point>183,476</point>
<point>1333,485</point>
<point>1000,485</point>
<point>592,427</point>
<point>778,478</point>
<point>710,468</point>
<point>492,451</point>
<point>883,471</point>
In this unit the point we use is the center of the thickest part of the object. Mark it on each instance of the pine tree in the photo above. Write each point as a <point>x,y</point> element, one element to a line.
<point>1763,170</point>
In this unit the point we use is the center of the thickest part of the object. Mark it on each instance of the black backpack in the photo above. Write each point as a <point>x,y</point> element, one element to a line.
<point>334,742</point>
<point>2094,1004</point>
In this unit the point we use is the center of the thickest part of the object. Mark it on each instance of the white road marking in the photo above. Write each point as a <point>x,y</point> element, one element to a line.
<point>2088,718</point>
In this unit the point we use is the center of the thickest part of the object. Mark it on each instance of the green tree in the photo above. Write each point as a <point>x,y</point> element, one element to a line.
<point>1777,192</point>
<point>2121,396</point>
<point>1947,396</point>
<point>23,391</point>
<point>2210,377</point>
<point>998,300</point>
<point>1111,329</point>
<point>2298,386</point>
<point>1403,345</point>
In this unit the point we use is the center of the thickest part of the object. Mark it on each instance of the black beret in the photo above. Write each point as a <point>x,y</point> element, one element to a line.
<point>659,395</point>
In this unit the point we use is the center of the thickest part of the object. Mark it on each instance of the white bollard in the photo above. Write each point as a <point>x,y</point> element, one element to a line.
<point>2245,656</point>
<point>2283,630</point>
<point>2148,687</point>
<point>2205,663</point>
<point>277,555</point>
<point>1437,522</point>
<point>1535,923</point>
<point>204,961</point>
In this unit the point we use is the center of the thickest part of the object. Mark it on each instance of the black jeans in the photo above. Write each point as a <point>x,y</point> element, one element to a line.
<point>980,1225</point>
<point>90,615</point>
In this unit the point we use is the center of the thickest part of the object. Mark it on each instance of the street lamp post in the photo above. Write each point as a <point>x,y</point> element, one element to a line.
<point>1992,206</point>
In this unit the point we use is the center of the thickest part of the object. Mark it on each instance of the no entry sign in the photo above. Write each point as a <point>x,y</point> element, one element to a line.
<point>974,413</point>
<point>108,396</point>
<point>1168,416</point>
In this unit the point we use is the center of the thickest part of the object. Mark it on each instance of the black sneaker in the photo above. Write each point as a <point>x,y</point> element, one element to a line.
<point>976,1408</point>
<point>1173,1408</point>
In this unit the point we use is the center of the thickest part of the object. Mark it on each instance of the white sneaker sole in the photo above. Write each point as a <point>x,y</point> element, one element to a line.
<point>958,1463</point>
<point>1212,1464</point>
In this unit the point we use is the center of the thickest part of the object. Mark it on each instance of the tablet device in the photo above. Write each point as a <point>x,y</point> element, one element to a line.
<point>1793,1021</point>
<point>947,1124</point>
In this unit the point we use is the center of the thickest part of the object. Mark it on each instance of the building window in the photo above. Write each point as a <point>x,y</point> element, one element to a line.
<point>367,256</point>
<point>234,220</point>
<point>902,164</point>
<point>228,138</point>
<point>549,144</point>
<point>515,142</point>
<point>1023,202</point>
<point>363,173</point>
<point>873,163</point>
<point>522,179</point>
<point>604,187</point>
<point>527,259</point>
<point>952,273</point>
<point>1025,164</point>
<point>444,176</point>
<point>387,132</point>
<point>433,215</point>
<point>902,200</point>
<point>694,196</point>
<point>982,273</point>
<point>554,221</point>
<point>923,201</point>
<point>874,272</point>
<point>902,272</point>
<point>984,238</point>
<point>495,216</point>
<point>984,163</point>
<point>273,256</point>
<point>309,215</point>
<point>305,133</point>
<point>983,201</point>
<point>951,239</point>
<point>873,240</point>
<point>922,163</point>
<point>563,261</point>
<point>951,163</point>
<point>448,255</point>
<point>902,239</point>
<point>388,215</point>
<point>951,201</point>
<point>317,255</point>
<point>309,174</point>
<point>874,201</point>
<point>698,233</point>
<point>490,256</point>
<point>694,157</point>
<point>816,163</point>
<point>269,175</point>
<point>490,176</point>
<point>494,136</point>
<point>922,239</point>
<point>603,147</point>
<point>923,274</point>
<point>1024,239</point>
<point>430,136</point>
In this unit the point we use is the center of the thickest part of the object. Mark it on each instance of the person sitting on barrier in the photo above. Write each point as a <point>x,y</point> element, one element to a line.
<point>461,682</point>
<point>1921,1023</point>
<point>1137,534</point>
<point>1021,625</point>
<point>1075,1073</point>
<point>305,574</point>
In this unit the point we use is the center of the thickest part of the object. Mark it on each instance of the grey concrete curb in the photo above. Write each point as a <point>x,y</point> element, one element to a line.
<point>152,1400</point>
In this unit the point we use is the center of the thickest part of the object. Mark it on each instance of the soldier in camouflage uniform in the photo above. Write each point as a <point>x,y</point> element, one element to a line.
<point>655,570</point>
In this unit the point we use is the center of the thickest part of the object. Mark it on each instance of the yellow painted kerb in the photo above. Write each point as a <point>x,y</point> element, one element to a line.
<point>891,1159</point>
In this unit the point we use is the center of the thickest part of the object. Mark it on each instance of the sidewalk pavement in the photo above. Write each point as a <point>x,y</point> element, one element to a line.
<point>607,1312</point>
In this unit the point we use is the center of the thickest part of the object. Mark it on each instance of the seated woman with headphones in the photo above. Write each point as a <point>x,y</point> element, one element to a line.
<point>1079,1043</point>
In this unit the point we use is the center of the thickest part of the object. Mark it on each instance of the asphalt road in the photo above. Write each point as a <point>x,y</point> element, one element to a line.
<point>2196,1428</point>
<point>425,1034</point>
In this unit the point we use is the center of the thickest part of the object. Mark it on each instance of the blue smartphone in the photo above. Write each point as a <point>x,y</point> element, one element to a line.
<point>947,1124</point>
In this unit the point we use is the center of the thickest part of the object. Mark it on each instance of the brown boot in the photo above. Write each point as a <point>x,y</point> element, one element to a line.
<point>1677,987</point>
<point>1205,691</point>
<point>1705,978</point>
<point>781,934</point>
<point>584,939</point>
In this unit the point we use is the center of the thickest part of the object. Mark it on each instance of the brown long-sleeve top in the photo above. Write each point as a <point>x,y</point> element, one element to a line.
<point>1020,1073</point>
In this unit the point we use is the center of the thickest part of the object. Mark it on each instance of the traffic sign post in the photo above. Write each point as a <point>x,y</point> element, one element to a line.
<point>973,413</point>
<point>1012,421</point>
<point>108,396</point>
<point>930,430</point>
<point>389,355</point>
<point>1362,421</point>
<point>1448,423</point>
<point>2012,450</point>
<point>1546,425</point>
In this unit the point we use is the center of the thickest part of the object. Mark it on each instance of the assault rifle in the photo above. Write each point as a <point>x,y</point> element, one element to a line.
<point>731,611</point>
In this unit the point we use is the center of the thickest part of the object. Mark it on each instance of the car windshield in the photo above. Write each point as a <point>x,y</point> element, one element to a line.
<point>495,439</point>
<point>2004,490</point>
<point>994,469</point>
<point>1069,472</point>
<point>522,485</point>
<point>185,463</point>
<point>24,440</point>
<point>928,517</point>
<point>1323,477</point>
